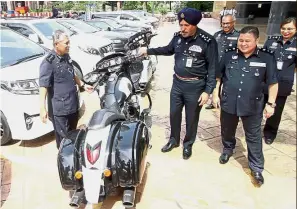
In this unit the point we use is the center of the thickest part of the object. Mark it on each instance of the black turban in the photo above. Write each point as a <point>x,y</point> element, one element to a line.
<point>190,15</point>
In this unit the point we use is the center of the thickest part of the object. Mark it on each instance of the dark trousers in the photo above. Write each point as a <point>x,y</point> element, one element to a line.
<point>272,123</point>
<point>252,129</point>
<point>185,93</point>
<point>64,124</point>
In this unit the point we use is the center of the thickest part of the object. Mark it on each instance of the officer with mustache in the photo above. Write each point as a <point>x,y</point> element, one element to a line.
<point>196,58</point>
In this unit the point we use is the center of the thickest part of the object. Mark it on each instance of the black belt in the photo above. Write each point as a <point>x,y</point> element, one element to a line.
<point>190,79</point>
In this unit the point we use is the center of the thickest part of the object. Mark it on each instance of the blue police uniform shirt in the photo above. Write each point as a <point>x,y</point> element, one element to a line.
<point>194,56</point>
<point>57,75</point>
<point>243,79</point>
<point>226,40</point>
<point>285,55</point>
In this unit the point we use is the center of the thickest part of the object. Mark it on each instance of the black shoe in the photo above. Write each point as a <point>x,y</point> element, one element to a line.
<point>169,146</point>
<point>259,179</point>
<point>187,153</point>
<point>268,140</point>
<point>209,107</point>
<point>224,158</point>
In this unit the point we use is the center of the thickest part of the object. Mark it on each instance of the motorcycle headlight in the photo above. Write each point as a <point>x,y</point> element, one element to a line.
<point>91,77</point>
<point>116,41</point>
<point>22,87</point>
<point>89,50</point>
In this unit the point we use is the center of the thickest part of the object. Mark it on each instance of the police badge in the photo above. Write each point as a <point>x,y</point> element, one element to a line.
<point>179,41</point>
<point>182,15</point>
<point>234,57</point>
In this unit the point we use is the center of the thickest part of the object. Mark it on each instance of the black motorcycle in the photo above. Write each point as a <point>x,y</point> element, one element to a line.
<point>110,152</point>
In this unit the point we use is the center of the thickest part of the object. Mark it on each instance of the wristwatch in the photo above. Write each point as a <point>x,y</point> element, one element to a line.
<point>82,86</point>
<point>273,105</point>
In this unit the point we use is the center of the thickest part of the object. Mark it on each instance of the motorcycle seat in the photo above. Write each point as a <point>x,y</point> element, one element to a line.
<point>104,117</point>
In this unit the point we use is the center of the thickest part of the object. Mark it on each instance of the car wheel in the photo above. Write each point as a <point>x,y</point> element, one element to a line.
<point>5,136</point>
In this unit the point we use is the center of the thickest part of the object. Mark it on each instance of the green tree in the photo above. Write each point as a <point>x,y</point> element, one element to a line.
<point>131,5</point>
<point>204,6</point>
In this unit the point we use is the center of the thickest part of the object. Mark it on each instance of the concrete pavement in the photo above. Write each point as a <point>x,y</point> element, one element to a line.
<point>171,182</point>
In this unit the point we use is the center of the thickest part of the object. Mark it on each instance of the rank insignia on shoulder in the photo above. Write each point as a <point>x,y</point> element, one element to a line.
<point>50,58</point>
<point>266,50</point>
<point>274,37</point>
<point>204,37</point>
<point>177,33</point>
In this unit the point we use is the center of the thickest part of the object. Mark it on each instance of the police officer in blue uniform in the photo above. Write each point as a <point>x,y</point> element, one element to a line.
<point>58,82</point>
<point>226,38</point>
<point>284,48</point>
<point>196,59</point>
<point>243,72</point>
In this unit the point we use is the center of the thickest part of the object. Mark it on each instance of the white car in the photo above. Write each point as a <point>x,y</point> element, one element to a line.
<point>125,18</point>
<point>19,109</point>
<point>86,49</point>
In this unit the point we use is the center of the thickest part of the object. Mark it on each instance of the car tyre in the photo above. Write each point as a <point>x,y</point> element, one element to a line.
<point>5,130</point>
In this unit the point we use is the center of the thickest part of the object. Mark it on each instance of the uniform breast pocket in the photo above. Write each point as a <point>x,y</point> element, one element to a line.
<point>60,75</point>
<point>257,72</point>
<point>230,69</point>
<point>290,55</point>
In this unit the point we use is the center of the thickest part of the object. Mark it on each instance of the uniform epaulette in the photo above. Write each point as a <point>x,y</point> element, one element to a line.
<point>230,49</point>
<point>266,50</point>
<point>204,37</point>
<point>50,58</point>
<point>177,33</point>
<point>274,37</point>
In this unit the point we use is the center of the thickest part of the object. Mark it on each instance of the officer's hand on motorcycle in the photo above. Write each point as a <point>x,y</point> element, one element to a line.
<point>142,51</point>
<point>216,101</point>
<point>203,98</point>
<point>43,115</point>
<point>88,88</point>
<point>268,111</point>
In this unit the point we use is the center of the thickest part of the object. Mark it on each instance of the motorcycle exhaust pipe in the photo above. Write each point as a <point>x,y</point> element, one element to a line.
<point>129,197</point>
<point>77,198</point>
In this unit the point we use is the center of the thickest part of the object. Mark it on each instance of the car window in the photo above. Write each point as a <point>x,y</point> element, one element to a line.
<point>126,17</point>
<point>99,24</point>
<point>48,28</point>
<point>21,28</point>
<point>86,28</point>
<point>15,47</point>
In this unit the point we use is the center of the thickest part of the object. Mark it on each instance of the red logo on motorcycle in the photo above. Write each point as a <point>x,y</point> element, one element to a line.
<point>93,153</point>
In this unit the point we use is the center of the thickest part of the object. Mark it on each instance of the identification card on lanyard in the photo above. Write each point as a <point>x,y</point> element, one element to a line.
<point>279,65</point>
<point>189,62</point>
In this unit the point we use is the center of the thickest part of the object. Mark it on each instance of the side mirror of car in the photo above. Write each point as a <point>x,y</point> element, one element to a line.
<point>34,37</point>
<point>108,29</point>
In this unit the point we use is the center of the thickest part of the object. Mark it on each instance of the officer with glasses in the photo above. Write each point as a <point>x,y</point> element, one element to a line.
<point>284,48</point>
<point>226,38</point>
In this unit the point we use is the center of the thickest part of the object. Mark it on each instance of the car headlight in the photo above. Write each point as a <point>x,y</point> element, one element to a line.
<point>116,41</point>
<point>89,50</point>
<point>22,87</point>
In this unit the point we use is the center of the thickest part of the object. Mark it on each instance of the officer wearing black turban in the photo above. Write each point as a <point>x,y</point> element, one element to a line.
<point>196,58</point>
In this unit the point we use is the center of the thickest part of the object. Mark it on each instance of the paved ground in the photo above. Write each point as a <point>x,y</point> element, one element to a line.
<point>30,178</point>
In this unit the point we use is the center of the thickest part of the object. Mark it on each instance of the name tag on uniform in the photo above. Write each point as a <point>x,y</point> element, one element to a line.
<point>257,64</point>
<point>189,62</point>
<point>279,65</point>
<point>195,48</point>
<point>232,38</point>
<point>292,49</point>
